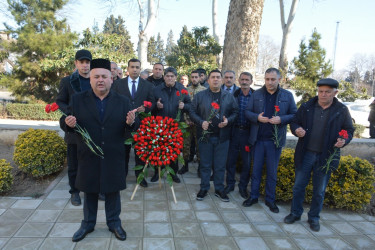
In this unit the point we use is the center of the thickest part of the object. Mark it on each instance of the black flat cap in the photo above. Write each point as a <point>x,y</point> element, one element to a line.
<point>100,63</point>
<point>328,82</point>
<point>83,54</point>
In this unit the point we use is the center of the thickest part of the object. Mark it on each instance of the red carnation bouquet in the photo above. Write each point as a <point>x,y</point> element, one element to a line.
<point>334,156</point>
<point>158,142</point>
<point>215,107</point>
<point>276,139</point>
<point>82,131</point>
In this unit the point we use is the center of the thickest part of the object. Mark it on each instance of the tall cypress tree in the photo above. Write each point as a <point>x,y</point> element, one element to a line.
<point>309,67</point>
<point>38,35</point>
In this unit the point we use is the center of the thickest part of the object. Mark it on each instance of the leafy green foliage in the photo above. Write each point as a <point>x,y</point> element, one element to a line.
<point>116,26</point>
<point>194,49</point>
<point>309,67</point>
<point>38,35</point>
<point>30,112</point>
<point>39,152</point>
<point>155,50</point>
<point>348,94</point>
<point>6,177</point>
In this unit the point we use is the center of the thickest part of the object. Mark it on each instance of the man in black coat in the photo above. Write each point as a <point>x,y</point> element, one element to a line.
<point>157,74</point>
<point>78,82</point>
<point>317,125</point>
<point>214,143</point>
<point>169,101</point>
<point>142,91</point>
<point>106,116</point>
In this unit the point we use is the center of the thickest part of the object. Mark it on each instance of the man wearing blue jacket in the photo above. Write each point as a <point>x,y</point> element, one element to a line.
<point>269,110</point>
<point>317,125</point>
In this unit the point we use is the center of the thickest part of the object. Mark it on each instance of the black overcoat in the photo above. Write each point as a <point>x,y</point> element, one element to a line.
<point>101,174</point>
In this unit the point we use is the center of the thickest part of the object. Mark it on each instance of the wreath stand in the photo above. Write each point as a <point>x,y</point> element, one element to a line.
<point>136,187</point>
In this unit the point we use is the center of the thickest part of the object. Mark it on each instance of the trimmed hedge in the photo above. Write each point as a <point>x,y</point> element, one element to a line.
<point>39,152</point>
<point>6,177</point>
<point>30,112</point>
<point>350,187</point>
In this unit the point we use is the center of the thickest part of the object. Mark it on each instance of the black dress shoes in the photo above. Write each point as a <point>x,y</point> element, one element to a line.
<point>155,178</point>
<point>228,189</point>
<point>244,194</point>
<point>272,206</point>
<point>81,233</point>
<point>143,183</point>
<point>249,202</point>
<point>176,179</point>
<point>75,199</point>
<point>119,232</point>
<point>291,218</point>
<point>314,225</point>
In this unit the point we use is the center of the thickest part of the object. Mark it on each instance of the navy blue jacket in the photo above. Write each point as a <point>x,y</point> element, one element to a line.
<point>339,119</point>
<point>288,108</point>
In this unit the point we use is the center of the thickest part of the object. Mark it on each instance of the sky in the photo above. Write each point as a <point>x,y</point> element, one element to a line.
<point>355,32</point>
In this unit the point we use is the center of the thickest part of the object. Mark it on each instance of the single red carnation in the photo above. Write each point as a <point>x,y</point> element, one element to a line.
<point>215,105</point>
<point>344,134</point>
<point>48,108</point>
<point>178,93</point>
<point>277,108</point>
<point>54,107</point>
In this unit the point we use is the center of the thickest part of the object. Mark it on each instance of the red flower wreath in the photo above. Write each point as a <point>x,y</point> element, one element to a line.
<point>158,142</point>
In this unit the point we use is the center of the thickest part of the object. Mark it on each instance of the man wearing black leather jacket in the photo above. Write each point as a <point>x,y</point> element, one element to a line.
<point>214,112</point>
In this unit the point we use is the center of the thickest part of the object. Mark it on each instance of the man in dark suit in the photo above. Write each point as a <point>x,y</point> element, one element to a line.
<point>106,116</point>
<point>229,82</point>
<point>138,91</point>
<point>78,82</point>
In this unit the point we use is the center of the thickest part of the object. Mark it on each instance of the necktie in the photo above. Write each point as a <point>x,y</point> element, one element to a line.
<point>228,89</point>
<point>133,89</point>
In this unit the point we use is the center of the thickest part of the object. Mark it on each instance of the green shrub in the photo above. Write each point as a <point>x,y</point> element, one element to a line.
<point>350,187</point>
<point>39,152</point>
<point>6,177</point>
<point>30,112</point>
<point>359,129</point>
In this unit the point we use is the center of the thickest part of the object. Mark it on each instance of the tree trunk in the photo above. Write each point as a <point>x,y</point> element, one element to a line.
<point>286,28</point>
<point>215,30</point>
<point>242,35</point>
<point>146,32</point>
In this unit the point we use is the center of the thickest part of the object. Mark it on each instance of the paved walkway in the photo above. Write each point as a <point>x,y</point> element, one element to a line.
<point>153,221</point>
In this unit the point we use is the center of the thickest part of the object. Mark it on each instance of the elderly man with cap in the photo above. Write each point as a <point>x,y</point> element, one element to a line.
<point>317,125</point>
<point>78,82</point>
<point>106,116</point>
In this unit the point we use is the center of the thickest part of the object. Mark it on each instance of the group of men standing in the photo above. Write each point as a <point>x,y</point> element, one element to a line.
<point>224,120</point>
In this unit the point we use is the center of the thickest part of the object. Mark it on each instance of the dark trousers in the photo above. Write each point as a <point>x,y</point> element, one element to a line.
<point>265,151</point>
<point>310,163</point>
<point>213,153</point>
<point>137,160</point>
<point>72,167</point>
<point>237,145</point>
<point>372,129</point>
<point>112,210</point>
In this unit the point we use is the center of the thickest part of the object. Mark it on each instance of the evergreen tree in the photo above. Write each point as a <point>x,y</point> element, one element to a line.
<point>37,36</point>
<point>155,50</point>
<point>309,67</point>
<point>194,49</point>
<point>117,26</point>
<point>170,43</point>
<point>151,51</point>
